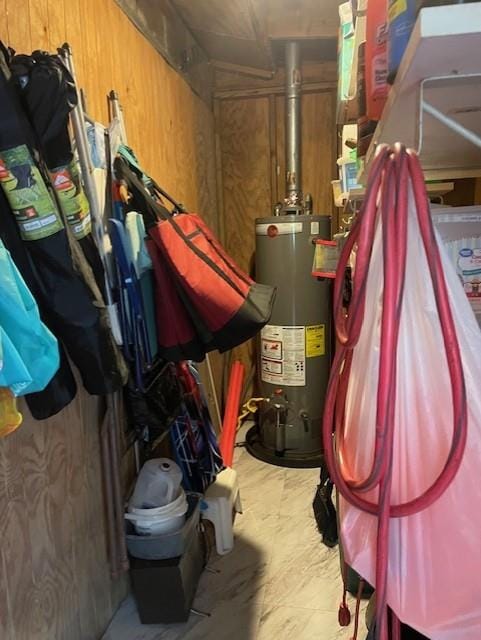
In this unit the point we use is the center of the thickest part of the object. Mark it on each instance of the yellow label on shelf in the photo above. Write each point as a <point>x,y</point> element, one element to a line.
<point>315,340</point>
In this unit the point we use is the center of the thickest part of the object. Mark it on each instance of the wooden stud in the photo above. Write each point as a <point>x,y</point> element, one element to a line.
<point>242,69</point>
<point>256,92</point>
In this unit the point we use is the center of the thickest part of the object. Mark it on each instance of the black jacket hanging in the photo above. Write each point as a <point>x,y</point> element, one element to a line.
<point>48,95</point>
<point>62,388</point>
<point>78,316</point>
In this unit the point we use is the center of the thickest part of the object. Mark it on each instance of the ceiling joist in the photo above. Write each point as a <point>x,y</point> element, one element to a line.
<point>300,19</point>
<point>241,32</point>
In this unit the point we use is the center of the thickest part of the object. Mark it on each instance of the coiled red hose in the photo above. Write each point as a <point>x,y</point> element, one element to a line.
<point>387,196</point>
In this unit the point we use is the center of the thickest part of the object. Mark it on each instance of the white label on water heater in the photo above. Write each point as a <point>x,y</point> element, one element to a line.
<point>283,355</point>
<point>281,228</point>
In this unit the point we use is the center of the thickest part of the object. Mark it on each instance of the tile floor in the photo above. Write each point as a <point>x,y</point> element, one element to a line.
<point>279,582</point>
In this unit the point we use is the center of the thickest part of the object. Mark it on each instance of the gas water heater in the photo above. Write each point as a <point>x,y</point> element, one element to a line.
<point>293,351</point>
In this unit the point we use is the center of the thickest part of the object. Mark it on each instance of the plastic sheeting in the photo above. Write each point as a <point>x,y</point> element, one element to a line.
<point>435,555</point>
<point>29,355</point>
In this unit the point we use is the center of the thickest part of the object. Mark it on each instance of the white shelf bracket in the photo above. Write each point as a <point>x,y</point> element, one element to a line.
<point>426,107</point>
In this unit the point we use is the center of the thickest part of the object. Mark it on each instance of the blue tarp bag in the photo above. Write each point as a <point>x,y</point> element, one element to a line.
<point>29,354</point>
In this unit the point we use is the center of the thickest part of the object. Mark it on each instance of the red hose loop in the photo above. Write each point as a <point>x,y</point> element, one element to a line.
<point>393,171</point>
<point>360,234</point>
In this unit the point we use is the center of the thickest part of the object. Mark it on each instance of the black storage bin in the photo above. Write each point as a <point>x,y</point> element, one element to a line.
<point>164,589</point>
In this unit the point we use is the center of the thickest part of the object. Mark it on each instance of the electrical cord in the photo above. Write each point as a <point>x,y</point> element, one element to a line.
<point>387,196</point>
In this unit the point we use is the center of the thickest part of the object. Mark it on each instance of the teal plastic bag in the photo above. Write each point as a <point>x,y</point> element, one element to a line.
<point>29,355</point>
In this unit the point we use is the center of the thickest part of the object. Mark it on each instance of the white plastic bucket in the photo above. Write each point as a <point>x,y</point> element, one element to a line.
<point>172,507</point>
<point>167,519</point>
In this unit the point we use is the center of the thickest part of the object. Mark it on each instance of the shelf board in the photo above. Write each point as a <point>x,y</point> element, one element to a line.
<point>433,189</point>
<point>445,43</point>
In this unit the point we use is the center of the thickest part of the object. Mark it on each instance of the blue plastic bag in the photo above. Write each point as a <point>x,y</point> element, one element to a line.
<point>29,354</point>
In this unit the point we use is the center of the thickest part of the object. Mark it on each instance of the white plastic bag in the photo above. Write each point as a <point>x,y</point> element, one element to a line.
<point>435,555</point>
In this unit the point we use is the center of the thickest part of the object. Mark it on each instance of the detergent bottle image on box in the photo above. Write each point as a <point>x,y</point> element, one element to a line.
<point>376,59</point>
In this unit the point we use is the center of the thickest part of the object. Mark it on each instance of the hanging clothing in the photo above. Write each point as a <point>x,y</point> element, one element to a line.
<point>48,94</point>
<point>62,388</point>
<point>29,355</point>
<point>66,282</point>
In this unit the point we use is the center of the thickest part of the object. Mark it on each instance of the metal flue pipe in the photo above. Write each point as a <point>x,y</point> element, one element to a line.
<point>293,123</point>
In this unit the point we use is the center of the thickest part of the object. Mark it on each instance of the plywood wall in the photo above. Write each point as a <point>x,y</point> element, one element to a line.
<point>170,128</point>
<point>246,180</point>
<point>251,134</point>
<point>318,148</point>
<point>54,577</point>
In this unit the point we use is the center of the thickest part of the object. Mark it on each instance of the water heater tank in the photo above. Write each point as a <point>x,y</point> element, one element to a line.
<point>294,348</point>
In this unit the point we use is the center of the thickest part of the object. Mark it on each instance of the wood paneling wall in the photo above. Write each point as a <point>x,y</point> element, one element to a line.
<point>246,179</point>
<point>318,148</point>
<point>251,135</point>
<point>54,578</point>
<point>170,128</point>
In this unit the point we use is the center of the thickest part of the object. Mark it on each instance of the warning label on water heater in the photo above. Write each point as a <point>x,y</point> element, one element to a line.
<point>283,355</point>
<point>315,340</point>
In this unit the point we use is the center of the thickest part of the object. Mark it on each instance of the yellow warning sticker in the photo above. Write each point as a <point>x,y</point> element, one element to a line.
<point>315,340</point>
